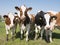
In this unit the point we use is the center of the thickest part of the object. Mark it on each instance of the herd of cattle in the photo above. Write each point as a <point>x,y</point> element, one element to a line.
<point>40,23</point>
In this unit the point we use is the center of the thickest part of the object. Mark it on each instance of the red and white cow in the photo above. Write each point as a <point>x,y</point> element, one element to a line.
<point>24,19</point>
<point>57,14</point>
<point>10,24</point>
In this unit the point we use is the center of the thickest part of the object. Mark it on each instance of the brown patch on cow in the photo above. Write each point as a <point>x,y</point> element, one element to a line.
<point>21,12</point>
<point>7,20</point>
<point>32,17</point>
<point>58,19</point>
<point>19,9</point>
<point>30,8</point>
<point>27,9</point>
<point>51,14</point>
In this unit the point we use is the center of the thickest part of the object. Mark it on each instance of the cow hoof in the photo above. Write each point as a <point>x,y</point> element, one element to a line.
<point>6,39</point>
<point>21,38</point>
<point>41,38</point>
<point>51,41</point>
<point>27,40</point>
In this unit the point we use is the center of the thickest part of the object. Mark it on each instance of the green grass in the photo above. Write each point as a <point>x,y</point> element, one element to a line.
<point>17,41</point>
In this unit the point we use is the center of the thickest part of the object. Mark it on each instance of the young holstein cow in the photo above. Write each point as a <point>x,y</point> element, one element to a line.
<point>10,24</point>
<point>43,21</point>
<point>25,20</point>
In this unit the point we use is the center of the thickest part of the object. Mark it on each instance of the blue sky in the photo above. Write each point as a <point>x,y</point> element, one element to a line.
<point>7,6</point>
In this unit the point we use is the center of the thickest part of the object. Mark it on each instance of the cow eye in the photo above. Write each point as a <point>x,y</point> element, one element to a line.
<point>40,18</point>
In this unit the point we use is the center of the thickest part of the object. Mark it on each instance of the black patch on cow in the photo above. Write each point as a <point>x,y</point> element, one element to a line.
<point>39,19</point>
<point>5,16</point>
<point>27,19</point>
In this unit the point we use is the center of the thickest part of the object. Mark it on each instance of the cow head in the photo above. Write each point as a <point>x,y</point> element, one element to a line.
<point>50,21</point>
<point>16,19</point>
<point>23,11</point>
<point>39,18</point>
<point>7,20</point>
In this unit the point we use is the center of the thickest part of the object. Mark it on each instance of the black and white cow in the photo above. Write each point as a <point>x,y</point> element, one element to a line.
<point>43,21</point>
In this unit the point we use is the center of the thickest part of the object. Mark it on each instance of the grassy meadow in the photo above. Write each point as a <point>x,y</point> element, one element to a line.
<point>17,41</point>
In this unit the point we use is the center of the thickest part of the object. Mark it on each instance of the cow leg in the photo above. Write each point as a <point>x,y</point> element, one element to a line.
<point>21,34</point>
<point>36,32</point>
<point>47,35</point>
<point>22,30</point>
<point>41,33</point>
<point>7,32</point>
<point>28,29</point>
<point>50,38</point>
<point>15,27</point>
<point>12,32</point>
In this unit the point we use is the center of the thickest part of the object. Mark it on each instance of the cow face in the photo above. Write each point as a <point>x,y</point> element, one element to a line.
<point>7,20</point>
<point>50,21</point>
<point>23,11</point>
<point>16,19</point>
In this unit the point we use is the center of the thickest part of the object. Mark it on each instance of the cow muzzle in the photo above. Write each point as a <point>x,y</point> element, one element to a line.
<point>47,27</point>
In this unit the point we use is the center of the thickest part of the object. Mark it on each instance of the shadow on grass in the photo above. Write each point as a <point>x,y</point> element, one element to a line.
<point>58,27</point>
<point>31,35</point>
<point>56,35</point>
<point>18,35</point>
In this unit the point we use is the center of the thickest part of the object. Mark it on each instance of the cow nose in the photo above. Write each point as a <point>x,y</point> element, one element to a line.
<point>48,28</point>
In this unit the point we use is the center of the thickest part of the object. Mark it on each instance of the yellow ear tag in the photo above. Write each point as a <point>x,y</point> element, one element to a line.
<point>53,18</point>
<point>40,18</point>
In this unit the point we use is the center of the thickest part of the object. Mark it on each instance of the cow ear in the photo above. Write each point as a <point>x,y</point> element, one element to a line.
<point>17,8</point>
<point>30,8</point>
<point>5,16</point>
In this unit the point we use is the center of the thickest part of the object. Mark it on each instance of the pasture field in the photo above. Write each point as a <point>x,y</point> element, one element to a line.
<point>17,41</point>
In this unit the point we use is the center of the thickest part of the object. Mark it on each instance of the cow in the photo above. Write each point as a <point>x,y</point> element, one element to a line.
<point>44,22</point>
<point>57,14</point>
<point>16,20</point>
<point>24,19</point>
<point>10,24</point>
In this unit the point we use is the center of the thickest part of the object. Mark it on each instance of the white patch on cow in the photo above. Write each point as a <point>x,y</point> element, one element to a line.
<point>27,33</point>
<point>23,9</point>
<point>52,24</point>
<point>30,16</point>
<point>47,18</point>
<point>18,13</point>
<point>7,28</point>
<point>11,16</point>
<point>22,28</point>
<point>37,28</point>
<point>50,39</point>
